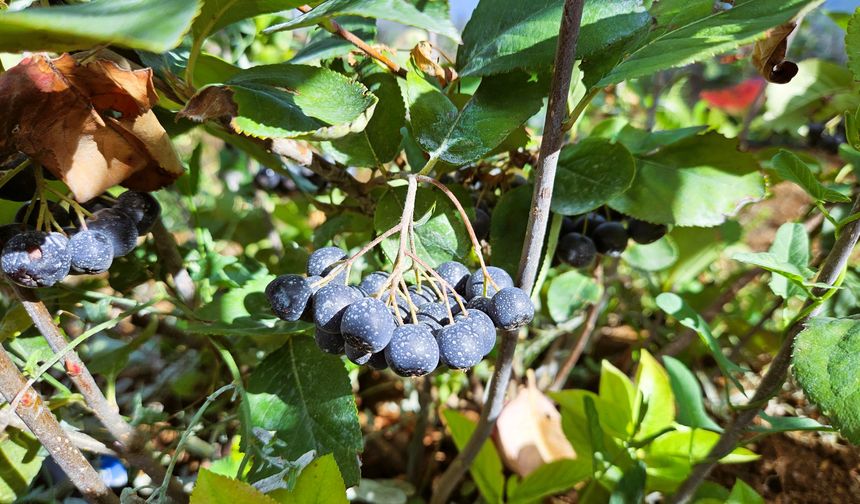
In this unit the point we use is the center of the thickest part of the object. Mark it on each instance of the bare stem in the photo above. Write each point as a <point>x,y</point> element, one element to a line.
<point>553,136</point>
<point>347,263</point>
<point>36,415</point>
<point>830,272</point>
<point>168,253</point>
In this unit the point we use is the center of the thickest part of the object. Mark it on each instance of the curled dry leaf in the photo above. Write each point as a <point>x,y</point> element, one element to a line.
<point>769,55</point>
<point>90,124</point>
<point>423,57</point>
<point>528,431</point>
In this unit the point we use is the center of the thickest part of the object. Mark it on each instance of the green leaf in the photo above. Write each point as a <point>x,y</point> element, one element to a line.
<point>655,256</point>
<point>631,488</point>
<point>213,488</point>
<point>697,181</point>
<point>391,10</point>
<point>852,44</point>
<point>702,38</point>
<point>820,90</point>
<point>217,14</point>
<point>379,142</point>
<point>305,397</point>
<point>653,392</point>
<point>617,391</point>
<point>286,101</point>
<point>825,360</point>
<point>640,141</point>
<point>569,293</point>
<point>589,174</point>
<point>486,469</point>
<point>14,322</point>
<point>792,246</point>
<point>499,106</point>
<point>20,462</point>
<point>550,479</point>
<point>792,168</point>
<point>505,35</point>
<point>675,306</point>
<point>508,226</point>
<point>773,263</point>
<point>789,424</point>
<point>323,45</point>
<point>688,393</point>
<point>743,494</point>
<point>439,231</point>
<point>127,23</point>
<point>320,482</point>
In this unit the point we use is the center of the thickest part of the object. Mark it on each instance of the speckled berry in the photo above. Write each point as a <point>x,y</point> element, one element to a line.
<point>576,250</point>
<point>482,325</point>
<point>475,283</point>
<point>36,259</point>
<point>322,261</point>
<point>367,325</point>
<point>142,207</point>
<point>455,274</point>
<point>308,314</point>
<point>413,350</point>
<point>480,303</point>
<point>459,346</point>
<point>329,342</point>
<point>511,308</point>
<point>288,296</point>
<point>118,227</point>
<point>90,251</point>
<point>330,302</point>
<point>372,283</point>
<point>434,315</point>
<point>355,355</point>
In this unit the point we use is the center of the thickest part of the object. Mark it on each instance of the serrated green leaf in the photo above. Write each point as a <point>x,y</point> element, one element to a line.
<point>640,141</point>
<point>439,231</point>
<point>792,168</point>
<point>792,246</point>
<point>323,45</point>
<point>127,23</point>
<point>286,101</point>
<point>391,10</point>
<point>304,396</point>
<point>505,35</point>
<point>852,129</point>
<point>20,462</point>
<point>825,361</point>
<point>795,275</point>
<point>319,483</point>
<point>743,494</point>
<point>721,32</point>
<point>379,142</point>
<point>486,469</point>
<point>688,393</point>
<point>216,14</point>
<point>697,181</point>
<point>589,174</point>
<point>675,306</point>
<point>654,395</point>
<point>569,293</point>
<point>550,479</point>
<point>852,43</point>
<point>655,256</point>
<point>459,136</point>
<point>212,488</point>
<point>508,227</point>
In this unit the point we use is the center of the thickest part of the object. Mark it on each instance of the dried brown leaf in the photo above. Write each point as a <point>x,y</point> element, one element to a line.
<point>422,54</point>
<point>769,55</point>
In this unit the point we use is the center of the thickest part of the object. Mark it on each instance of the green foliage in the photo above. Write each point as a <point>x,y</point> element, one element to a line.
<point>213,488</point>
<point>688,392</point>
<point>486,469</point>
<point>20,462</point>
<point>792,168</point>
<point>791,245</point>
<point>570,292</point>
<point>126,23</point>
<point>743,494</point>
<point>825,362</point>
<point>319,482</point>
<point>655,256</point>
<point>216,14</point>
<point>590,173</point>
<point>852,44</point>
<point>508,226</point>
<point>304,396</point>
<point>549,479</point>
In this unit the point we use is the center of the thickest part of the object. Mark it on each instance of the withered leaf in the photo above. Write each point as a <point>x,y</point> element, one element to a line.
<point>89,124</point>
<point>769,55</point>
<point>422,54</point>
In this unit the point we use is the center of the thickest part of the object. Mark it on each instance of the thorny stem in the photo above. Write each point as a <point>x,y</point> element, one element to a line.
<point>545,176</point>
<point>830,273</point>
<point>132,443</point>
<point>36,415</point>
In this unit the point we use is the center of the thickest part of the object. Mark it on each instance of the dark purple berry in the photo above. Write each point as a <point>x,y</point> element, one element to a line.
<point>480,303</point>
<point>90,251</point>
<point>322,261</point>
<point>142,207</point>
<point>511,308</point>
<point>22,186</point>
<point>475,284</point>
<point>288,296</point>
<point>355,355</point>
<point>118,227</point>
<point>377,361</point>
<point>434,315</point>
<point>367,325</point>
<point>330,302</point>
<point>584,224</point>
<point>36,259</point>
<point>413,350</point>
<point>329,342</point>
<point>482,325</point>
<point>373,282</point>
<point>267,179</point>
<point>610,238</point>
<point>481,224</point>
<point>455,274</point>
<point>459,346</point>
<point>645,232</point>
<point>576,250</point>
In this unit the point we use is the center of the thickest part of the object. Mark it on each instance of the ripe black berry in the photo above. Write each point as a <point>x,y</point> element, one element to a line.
<point>645,232</point>
<point>576,249</point>
<point>36,259</point>
<point>455,274</point>
<point>355,355</point>
<point>481,224</point>
<point>511,308</point>
<point>610,238</point>
<point>372,283</point>
<point>330,302</point>
<point>421,296</point>
<point>22,186</point>
<point>367,325</point>
<point>60,214</point>
<point>118,227</point>
<point>584,224</point>
<point>434,315</point>
<point>413,350</point>
<point>459,346</point>
<point>479,303</point>
<point>267,179</point>
<point>8,231</point>
<point>377,361</point>
<point>329,342</point>
<point>322,261</point>
<point>90,252</point>
<point>288,296</point>
<point>142,207</point>
<point>480,324</point>
<point>475,284</point>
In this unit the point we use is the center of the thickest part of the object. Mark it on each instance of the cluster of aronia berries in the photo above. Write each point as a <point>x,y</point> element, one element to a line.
<point>41,252</point>
<point>451,318</point>
<point>584,236</point>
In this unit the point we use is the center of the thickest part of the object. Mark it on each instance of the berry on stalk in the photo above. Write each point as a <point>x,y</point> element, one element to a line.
<point>511,308</point>
<point>330,303</point>
<point>475,283</point>
<point>576,250</point>
<point>367,325</point>
<point>610,238</point>
<point>413,350</point>
<point>288,296</point>
<point>36,259</point>
<point>90,252</point>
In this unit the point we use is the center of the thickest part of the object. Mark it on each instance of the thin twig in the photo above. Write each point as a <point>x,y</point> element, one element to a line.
<point>36,415</point>
<point>553,136</point>
<point>829,274</point>
<point>168,253</point>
